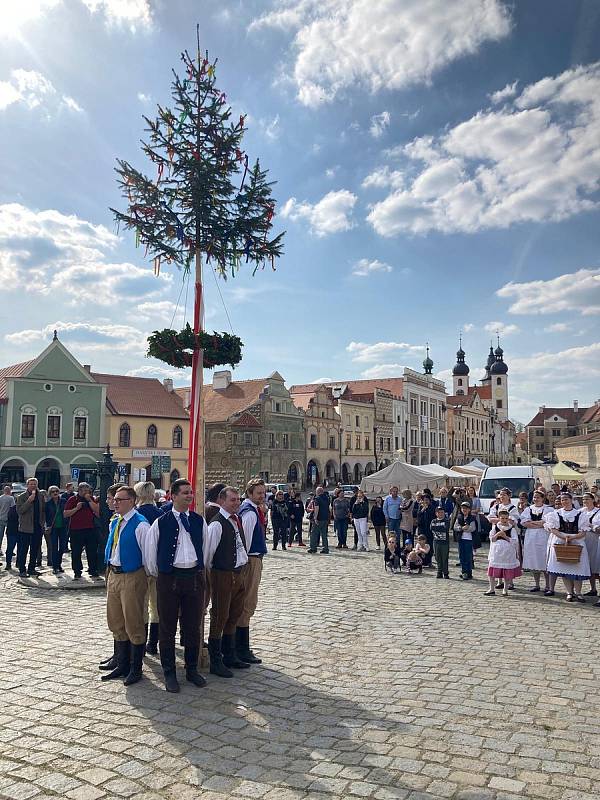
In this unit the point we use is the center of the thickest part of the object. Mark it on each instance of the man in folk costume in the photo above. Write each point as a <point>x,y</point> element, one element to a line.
<point>126,586</point>
<point>225,554</point>
<point>254,525</point>
<point>110,663</point>
<point>173,552</point>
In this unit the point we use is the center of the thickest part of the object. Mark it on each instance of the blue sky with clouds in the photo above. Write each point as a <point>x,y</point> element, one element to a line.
<point>437,163</point>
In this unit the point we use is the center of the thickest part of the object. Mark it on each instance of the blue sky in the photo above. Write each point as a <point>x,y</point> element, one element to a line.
<point>437,169</point>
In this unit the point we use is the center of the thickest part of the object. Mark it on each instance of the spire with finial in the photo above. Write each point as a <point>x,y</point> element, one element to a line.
<point>460,368</point>
<point>498,367</point>
<point>55,335</point>
<point>427,363</point>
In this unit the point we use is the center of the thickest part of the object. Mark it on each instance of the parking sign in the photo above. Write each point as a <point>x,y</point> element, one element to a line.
<point>75,474</point>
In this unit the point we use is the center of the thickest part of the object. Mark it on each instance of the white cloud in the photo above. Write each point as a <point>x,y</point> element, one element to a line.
<point>331,214</point>
<point>103,336</point>
<point>32,90</point>
<point>363,353</point>
<point>577,291</point>
<point>271,127</point>
<point>467,327</point>
<point>501,95</point>
<point>383,45</point>
<point>536,158</point>
<point>501,327</point>
<point>52,253</point>
<point>180,377</point>
<point>366,267</point>
<point>145,99</point>
<point>379,123</point>
<point>384,177</point>
<point>557,327</point>
<point>157,310</point>
<point>383,371</point>
<point>330,172</point>
<point>133,14</point>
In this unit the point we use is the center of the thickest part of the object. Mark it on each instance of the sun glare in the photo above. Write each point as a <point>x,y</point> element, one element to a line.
<point>15,13</point>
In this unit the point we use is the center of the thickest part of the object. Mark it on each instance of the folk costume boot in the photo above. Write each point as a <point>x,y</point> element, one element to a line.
<point>135,668</point>
<point>230,657</point>
<point>123,659</point>
<point>110,663</point>
<point>152,643</point>
<point>242,646</point>
<point>217,667</point>
<point>167,660</point>
<point>191,655</point>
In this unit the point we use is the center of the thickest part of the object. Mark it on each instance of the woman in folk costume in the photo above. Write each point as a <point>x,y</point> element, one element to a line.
<point>535,545</point>
<point>563,526</point>
<point>503,503</point>
<point>589,521</point>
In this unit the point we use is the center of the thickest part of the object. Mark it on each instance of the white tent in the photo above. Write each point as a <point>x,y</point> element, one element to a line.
<point>437,469</point>
<point>399,474</point>
<point>477,464</point>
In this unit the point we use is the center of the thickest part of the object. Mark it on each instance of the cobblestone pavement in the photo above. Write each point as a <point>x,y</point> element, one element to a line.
<point>372,686</point>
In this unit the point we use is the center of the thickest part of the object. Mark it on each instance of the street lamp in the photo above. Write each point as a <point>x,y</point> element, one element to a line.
<point>375,429</point>
<point>341,437</point>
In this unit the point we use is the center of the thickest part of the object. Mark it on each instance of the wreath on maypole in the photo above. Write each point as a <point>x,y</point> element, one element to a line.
<point>177,348</point>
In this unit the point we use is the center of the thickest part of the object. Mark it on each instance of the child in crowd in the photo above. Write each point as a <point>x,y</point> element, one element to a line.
<point>419,555</point>
<point>392,555</point>
<point>440,530</point>
<point>503,558</point>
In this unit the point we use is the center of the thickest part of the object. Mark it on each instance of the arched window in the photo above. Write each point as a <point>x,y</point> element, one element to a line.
<point>177,436</point>
<point>174,476</point>
<point>152,436</point>
<point>498,381</point>
<point>460,381</point>
<point>124,435</point>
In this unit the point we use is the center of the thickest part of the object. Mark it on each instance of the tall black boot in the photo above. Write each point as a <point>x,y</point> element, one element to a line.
<point>152,643</point>
<point>242,646</point>
<point>135,669</point>
<point>230,658</point>
<point>110,663</point>
<point>167,660</point>
<point>123,659</point>
<point>216,660</point>
<point>191,655</point>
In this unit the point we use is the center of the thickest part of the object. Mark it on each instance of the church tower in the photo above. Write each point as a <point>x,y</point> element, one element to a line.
<point>499,383</point>
<point>490,360</point>
<point>460,373</point>
<point>428,363</point>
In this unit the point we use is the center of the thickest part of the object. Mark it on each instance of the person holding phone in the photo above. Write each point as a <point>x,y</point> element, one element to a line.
<point>81,510</point>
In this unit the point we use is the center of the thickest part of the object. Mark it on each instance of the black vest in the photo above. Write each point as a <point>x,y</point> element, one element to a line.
<point>568,527</point>
<point>226,553</point>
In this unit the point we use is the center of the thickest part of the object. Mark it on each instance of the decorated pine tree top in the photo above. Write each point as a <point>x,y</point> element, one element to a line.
<point>203,202</point>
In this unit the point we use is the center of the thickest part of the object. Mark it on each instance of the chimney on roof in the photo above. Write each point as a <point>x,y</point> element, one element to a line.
<point>576,405</point>
<point>168,384</point>
<point>221,379</point>
<point>542,409</point>
<point>87,368</point>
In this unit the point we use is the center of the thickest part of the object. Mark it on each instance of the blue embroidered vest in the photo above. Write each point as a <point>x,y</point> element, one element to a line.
<point>258,546</point>
<point>129,550</point>
<point>168,534</point>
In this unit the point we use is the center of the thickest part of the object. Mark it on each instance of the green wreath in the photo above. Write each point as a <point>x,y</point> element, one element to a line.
<point>177,348</point>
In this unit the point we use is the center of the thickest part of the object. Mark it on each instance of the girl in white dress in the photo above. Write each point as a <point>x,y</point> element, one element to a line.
<point>563,526</point>
<point>503,503</point>
<point>503,558</point>
<point>535,545</point>
<point>589,521</point>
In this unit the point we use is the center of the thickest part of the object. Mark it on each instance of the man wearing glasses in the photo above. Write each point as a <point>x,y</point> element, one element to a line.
<point>126,586</point>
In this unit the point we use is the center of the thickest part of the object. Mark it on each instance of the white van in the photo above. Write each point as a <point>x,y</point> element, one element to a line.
<point>517,479</point>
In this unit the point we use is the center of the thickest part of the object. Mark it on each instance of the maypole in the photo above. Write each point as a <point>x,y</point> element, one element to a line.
<point>206,208</point>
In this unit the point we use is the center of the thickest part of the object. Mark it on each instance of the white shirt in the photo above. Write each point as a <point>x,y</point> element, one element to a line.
<point>213,538</point>
<point>140,534</point>
<point>513,512</point>
<point>185,554</point>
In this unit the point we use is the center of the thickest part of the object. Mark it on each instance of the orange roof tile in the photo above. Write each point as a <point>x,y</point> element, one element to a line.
<point>220,404</point>
<point>140,397</point>
<point>14,371</point>
<point>572,417</point>
<point>246,420</point>
<point>393,385</point>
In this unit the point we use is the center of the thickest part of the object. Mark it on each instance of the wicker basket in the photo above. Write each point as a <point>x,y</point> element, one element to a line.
<point>569,553</point>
